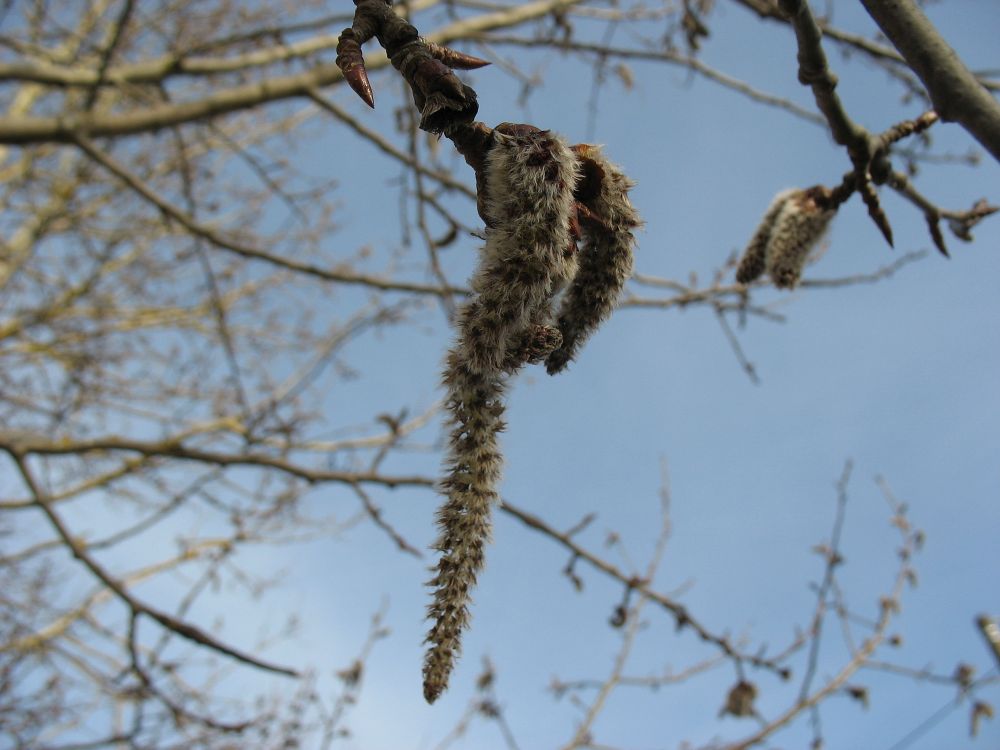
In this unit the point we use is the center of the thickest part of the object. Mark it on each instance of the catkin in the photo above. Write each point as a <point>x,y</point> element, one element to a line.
<point>791,227</point>
<point>797,229</point>
<point>605,258</point>
<point>528,256</point>
<point>754,259</point>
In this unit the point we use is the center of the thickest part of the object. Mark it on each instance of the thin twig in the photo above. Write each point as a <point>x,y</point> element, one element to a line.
<point>682,617</point>
<point>183,629</point>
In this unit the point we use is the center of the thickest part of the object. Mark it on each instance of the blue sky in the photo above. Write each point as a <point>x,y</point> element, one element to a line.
<point>900,377</point>
<point>897,377</point>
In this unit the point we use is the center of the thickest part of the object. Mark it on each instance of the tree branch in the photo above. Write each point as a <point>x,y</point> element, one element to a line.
<point>64,128</point>
<point>956,93</point>
<point>225,243</point>
<point>679,612</point>
<point>22,445</point>
<point>79,551</point>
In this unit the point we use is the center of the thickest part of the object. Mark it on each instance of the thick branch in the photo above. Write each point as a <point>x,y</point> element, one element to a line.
<point>954,90</point>
<point>63,129</point>
<point>815,73</point>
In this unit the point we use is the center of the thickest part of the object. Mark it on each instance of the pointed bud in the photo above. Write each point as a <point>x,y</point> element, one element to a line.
<point>455,59</point>
<point>870,198</point>
<point>935,229</point>
<point>351,62</point>
<point>357,79</point>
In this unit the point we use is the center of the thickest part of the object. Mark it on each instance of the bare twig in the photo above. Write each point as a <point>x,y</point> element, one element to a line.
<point>682,617</point>
<point>24,445</point>
<point>183,629</point>
<point>232,245</point>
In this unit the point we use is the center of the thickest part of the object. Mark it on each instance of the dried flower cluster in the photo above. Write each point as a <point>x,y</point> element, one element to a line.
<point>740,700</point>
<point>791,227</point>
<point>539,197</point>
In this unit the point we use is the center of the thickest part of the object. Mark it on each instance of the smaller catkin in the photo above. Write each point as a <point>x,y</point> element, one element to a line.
<point>791,227</point>
<point>797,228</point>
<point>754,259</point>
<point>605,258</point>
<point>529,180</point>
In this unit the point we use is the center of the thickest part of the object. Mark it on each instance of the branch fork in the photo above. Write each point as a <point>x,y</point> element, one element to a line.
<point>443,100</point>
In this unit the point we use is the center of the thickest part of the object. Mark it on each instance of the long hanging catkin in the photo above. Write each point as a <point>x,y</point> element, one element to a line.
<point>529,255</point>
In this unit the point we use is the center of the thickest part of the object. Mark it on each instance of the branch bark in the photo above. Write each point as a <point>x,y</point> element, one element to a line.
<point>954,90</point>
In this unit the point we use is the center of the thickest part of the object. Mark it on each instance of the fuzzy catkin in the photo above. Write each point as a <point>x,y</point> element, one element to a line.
<point>754,259</point>
<point>797,229</point>
<point>605,259</point>
<point>528,256</point>
<point>791,227</point>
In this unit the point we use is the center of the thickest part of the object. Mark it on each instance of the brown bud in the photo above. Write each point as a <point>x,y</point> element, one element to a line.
<point>980,710</point>
<point>455,59</point>
<point>351,62</point>
<point>739,701</point>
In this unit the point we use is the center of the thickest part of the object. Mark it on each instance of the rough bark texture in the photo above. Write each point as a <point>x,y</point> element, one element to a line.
<point>954,90</point>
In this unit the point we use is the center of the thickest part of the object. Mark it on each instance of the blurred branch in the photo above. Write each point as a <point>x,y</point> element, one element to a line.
<point>68,128</point>
<point>233,245</point>
<point>22,445</point>
<point>183,629</point>
<point>670,56</point>
<point>647,682</point>
<point>833,558</point>
<point>734,297</point>
<point>386,147</point>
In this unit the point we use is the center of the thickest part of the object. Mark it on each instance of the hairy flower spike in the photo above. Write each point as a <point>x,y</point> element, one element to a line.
<point>607,219</point>
<point>529,177</point>
<point>791,227</point>
<point>797,229</point>
<point>538,197</point>
<point>754,259</point>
